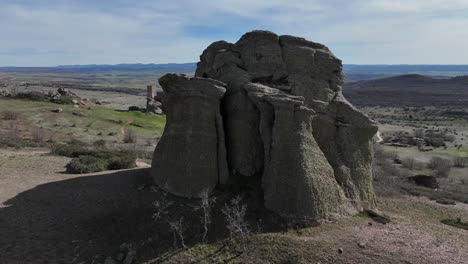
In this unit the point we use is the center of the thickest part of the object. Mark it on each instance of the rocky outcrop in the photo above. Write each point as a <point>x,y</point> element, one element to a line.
<point>297,178</point>
<point>287,123</point>
<point>190,157</point>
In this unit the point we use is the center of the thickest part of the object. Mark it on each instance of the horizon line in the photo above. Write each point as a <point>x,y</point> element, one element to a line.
<point>186,63</point>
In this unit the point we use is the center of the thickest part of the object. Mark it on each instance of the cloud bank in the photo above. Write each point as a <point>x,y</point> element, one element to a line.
<point>53,32</point>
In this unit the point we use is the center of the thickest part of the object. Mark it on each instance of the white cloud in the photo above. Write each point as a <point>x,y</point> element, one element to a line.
<point>361,31</point>
<point>417,6</point>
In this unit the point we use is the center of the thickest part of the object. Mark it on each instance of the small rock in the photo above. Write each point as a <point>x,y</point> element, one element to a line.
<point>370,223</point>
<point>74,101</point>
<point>340,250</point>
<point>362,245</point>
<point>76,106</point>
<point>57,110</point>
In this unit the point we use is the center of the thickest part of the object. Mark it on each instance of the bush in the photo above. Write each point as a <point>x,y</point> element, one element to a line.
<point>129,136</point>
<point>440,166</point>
<point>101,143</point>
<point>460,162</point>
<point>126,161</point>
<point>235,217</point>
<point>419,133</point>
<point>390,169</point>
<point>37,134</point>
<point>445,201</point>
<point>95,161</point>
<point>456,223</point>
<point>86,164</point>
<point>10,115</point>
<point>409,163</point>
<point>69,150</point>
<point>20,143</point>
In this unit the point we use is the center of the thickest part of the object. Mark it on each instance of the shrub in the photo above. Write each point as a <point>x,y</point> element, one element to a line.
<point>460,162</point>
<point>389,168</point>
<point>380,153</point>
<point>37,135</point>
<point>456,223</point>
<point>101,143</point>
<point>19,143</point>
<point>69,150</point>
<point>440,166</point>
<point>95,161</point>
<point>178,228</point>
<point>129,136</point>
<point>449,138</point>
<point>86,164</point>
<point>409,163</point>
<point>10,115</point>
<point>124,161</point>
<point>419,133</point>
<point>206,202</point>
<point>445,201</point>
<point>234,216</point>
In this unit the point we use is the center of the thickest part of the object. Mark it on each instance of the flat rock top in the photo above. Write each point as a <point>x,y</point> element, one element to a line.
<point>182,85</point>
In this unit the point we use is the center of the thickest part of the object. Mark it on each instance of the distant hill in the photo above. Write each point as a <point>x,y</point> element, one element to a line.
<point>409,90</point>
<point>94,68</point>
<point>366,72</point>
<point>352,72</point>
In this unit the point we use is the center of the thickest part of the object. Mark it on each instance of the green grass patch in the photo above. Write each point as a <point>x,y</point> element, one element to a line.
<point>434,194</point>
<point>21,143</point>
<point>455,223</point>
<point>137,120</point>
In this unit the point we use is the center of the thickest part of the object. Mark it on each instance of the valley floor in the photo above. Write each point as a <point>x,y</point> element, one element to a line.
<point>47,216</point>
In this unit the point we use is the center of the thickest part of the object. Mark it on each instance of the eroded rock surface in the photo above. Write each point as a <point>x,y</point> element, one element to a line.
<point>190,157</point>
<point>286,122</point>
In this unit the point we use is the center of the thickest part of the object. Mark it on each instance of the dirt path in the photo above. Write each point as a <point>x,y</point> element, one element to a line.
<point>379,138</point>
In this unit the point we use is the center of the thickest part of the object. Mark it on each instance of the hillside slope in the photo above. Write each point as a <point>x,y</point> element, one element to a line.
<point>409,90</point>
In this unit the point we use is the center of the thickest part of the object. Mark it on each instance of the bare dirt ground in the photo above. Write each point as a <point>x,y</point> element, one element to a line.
<point>47,216</point>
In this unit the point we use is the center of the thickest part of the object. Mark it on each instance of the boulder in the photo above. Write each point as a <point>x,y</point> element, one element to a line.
<point>153,106</point>
<point>283,121</point>
<point>190,156</point>
<point>427,181</point>
<point>4,93</point>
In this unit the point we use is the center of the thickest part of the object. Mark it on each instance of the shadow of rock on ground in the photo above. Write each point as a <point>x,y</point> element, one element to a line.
<point>76,219</point>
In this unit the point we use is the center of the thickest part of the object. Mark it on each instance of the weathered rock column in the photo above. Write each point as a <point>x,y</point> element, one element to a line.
<point>191,157</point>
<point>295,167</point>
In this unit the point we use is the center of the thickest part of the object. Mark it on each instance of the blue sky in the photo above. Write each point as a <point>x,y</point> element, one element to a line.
<point>57,32</point>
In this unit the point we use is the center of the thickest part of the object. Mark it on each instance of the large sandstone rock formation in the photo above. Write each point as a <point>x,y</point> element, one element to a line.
<point>191,157</point>
<point>283,120</point>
